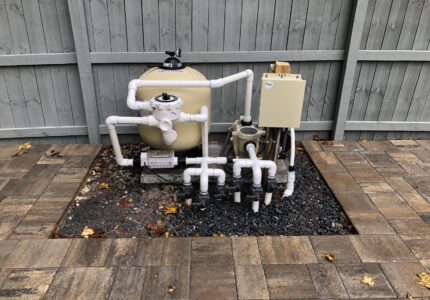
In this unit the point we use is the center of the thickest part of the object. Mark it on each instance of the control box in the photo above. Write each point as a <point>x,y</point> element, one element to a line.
<point>281,100</point>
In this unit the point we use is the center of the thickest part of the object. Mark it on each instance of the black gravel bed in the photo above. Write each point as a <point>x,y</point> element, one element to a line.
<point>126,208</point>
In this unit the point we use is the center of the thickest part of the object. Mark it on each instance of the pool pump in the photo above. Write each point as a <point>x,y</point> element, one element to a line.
<point>174,103</point>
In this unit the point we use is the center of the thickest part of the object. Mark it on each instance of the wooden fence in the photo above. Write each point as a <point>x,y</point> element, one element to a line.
<point>65,65</point>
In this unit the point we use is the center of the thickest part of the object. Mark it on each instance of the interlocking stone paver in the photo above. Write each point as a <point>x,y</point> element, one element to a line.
<point>27,284</point>
<point>212,282</point>
<point>409,194</point>
<point>403,278</point>
<point>8,224</point>
<point>286,250</point>
<point>391,205</point>
<point>78,161</point>
<point>414,170</point>
<point>410,226</point>
<point>18,166</point>
<point>391,171</point>
<point>351,276</point>
<point>371,224</point>
<point>420,247</point>
<point>163,252</point>
<point>351,158</point>
<point>311,146</point>
<point>32,230</point>
<point>87,253</point>
<point>378,146</point>
<point>339,246</point>
<point>381,248</point>
<point>128,283</point>
<point>211,251</point>
<point>407,143</point>
<point>121,253</point>
<point>6,248</point>
<point>61,189</point>
<point>333,146</point>
<point>327,281</point>
<point>324,158</point>
<point>353,146</point>
<point>341,183</point>
<point>404,157</point>
<point>424,143</point>
<point>26,187</point>
<point>356,204</point>
<point>289,281</point>
<point>421,184</point>
<point>331,168</point>
<point>81,283</point>
<point>37,254</point>
<point>380,159</point>
<point>158,279</point>
<point>366,176</point>
<point>375,187</point>
<point>71,173</point>
<point>81,149</point>
<point>245,251</point>
<point>16,205</point>
<point>251,283</point>
<point>422,154</point>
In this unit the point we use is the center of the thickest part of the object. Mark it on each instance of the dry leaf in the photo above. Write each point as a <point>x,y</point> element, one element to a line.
<point>103,186</point>
<point>124,202</point>
<point>170,210</point>
<point>23,149</point>
<point>316,137</point>
<point>85,190</point>
<point>424,279</point>
<point>327,143</point>
<point>366,279</point>
<point>218,235</point>
<point>166,234</point>
<point>87,232</point>
<point>171,288</point>
<point>330,257</point>
<point>409,296</point>
<point>156,229</point>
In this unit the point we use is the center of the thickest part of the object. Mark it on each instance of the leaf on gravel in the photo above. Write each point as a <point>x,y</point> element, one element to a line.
<point>170,210</point>
<point>218,235</point>
<point>156,229</point>
<point>330,257</point>
<point>366,279</point>
<point>23,149</point>
<point>124,202</point>
<point>424,279</point>
<point>103,186</point>
<point>85,190</point>
<point>171,288</point>
<point>87,232</point>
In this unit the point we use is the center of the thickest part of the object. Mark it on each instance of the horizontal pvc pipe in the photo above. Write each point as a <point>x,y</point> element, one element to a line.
<point>191,172</point>
<point>209,160</point>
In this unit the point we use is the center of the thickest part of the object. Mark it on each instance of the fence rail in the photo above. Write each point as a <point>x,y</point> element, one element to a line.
<point>65,65</point>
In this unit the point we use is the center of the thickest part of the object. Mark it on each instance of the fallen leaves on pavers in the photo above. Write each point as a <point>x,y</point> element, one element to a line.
<point>23,149</point>
<point>169,210</point>
<point>171,288</point>
<point>327,143</point>
<point>409,296</point>
<point>366,279</point>
<point>330,257</point>
<point>87,232</point>
<point>156,229</point>
<point>424,279</point>
<point>124,202</point>
<point>103,186</point>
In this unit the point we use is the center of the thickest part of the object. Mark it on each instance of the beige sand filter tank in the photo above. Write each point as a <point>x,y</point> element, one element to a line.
<point>189,133</point>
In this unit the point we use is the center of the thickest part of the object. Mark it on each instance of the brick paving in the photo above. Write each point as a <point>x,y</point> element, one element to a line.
<point>384,188</point>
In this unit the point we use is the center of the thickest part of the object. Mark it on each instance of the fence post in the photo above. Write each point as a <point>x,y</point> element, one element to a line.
<point>80,36</point>
<point>349,66</point>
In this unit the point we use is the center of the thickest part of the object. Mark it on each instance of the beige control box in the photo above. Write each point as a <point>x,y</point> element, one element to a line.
<point>281,100</point>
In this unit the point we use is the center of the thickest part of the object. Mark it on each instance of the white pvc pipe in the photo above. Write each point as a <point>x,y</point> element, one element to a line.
<point>216,83</point>
<point>291,178</point>
<point>267,198</point>
<point>210,160</point>
<point>112,121</point>
<point>256,165</point>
